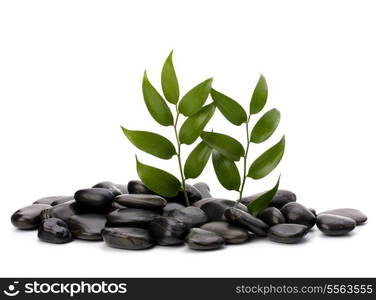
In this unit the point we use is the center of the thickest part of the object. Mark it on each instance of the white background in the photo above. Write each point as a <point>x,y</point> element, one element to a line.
<point>70,75</point>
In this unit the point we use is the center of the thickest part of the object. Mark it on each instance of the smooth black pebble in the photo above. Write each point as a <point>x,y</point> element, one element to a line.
<point>271,216</point>
<point>232,234</point>
<point>87,226</point>
<point>200,239</point>
<point>204,189</point>
<point>281,198</point>
<point>94,199</point>
<point>296,213</point>
<point>131,217</point>
<point>122,187</point>
<point>215,208</point>
<point>141,201</point>
<point>62,211</point>
<point>287,233</point>
<point>54,231</point>
<point>129,238</point>
<point>352,213</point>
<point>335,225</point>
<point>54,200</point>
<point>168,231</point>
<point>28,217</point>
<point>171,206</point>
<point>110,186</point>
<point>191,216</point>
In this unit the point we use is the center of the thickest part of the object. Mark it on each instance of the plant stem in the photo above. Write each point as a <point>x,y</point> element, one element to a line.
<point>245,162</point>
<point>179,158</point>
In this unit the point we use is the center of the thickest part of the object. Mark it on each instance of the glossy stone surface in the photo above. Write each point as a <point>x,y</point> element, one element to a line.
<point>191,216</point>
<point>137,187</point>
<point>281,198</point>
<point>246,220</point>
<point>271,216</point>
<point>54,200</point>
<point>335,225</point>
<point>122,187</point>
<point>94,199</point>
<point>168,231</point>
<point>110,186</point>
<point>298,214</point>
<point>131,217</point>
<point>200,239</point>
<point>201,202</point>
<point>115,206</point>
<point>204,189</point>
<point>215,209</point>
<point>28,217</point>
<point>129,238</point>
<point>141,201</point>
<point>62,211</point>
<point>232,234</point>
<point>287,233</point>
<point>87,226</point>
<point>171,206</point>
<point>54,231</point>
<point>352,213</point>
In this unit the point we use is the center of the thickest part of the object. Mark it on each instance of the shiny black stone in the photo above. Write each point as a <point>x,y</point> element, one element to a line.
<point>122,187</point>
<point>200,239</point>
<point>87,226</point>
<point>54,200</point>
<point>287,233</point>
<point>191,216</point>
<point>204,189</point>
<point>271,216</point>
<point>131,217</point>
<point>246,220</point>
<point>141,201</point>
<point>129,238</point>
<point>335,225</point>
<point>232,234</point>
<point>62,211</point>
<point>28,217</point>
<point>110,186</point>
<point>296,213</point>
<point>168,231</point>
<point>281,198</point>
<point>171,206</point>
<point>54,231</point>
<point>94,199</point>
<point>215,208</point>
<point>352,213</point>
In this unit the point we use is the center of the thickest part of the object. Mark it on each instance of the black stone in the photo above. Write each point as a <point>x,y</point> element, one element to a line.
<point>287,233</point>
<point>131,217</point>
<point>204,189</point>
<point>137,187</point>
<point>352,213</point>
<point>215,208</point>
<point>335,225</point>
<point>28,217</point>
<point>246,220</point>
<point>122,187</point>
<point>62,211</point>
<point>201,202</point>
<point>54,231</point>
<point>141,201</point>
<point>191,216</point>
<point>54,200</point>
<point>129,238</point>
<point>171,206</point>
<point>232,234</point>
<point>167,231</point>
<point>271,216</point>
<point>296,213</point>
<point>116,205</point>
<point>110,186</point>
<point>313,211</point>
<point>200,239</point>
<point>94,199</point>
<point>87,226</point>
<point>281,198</point>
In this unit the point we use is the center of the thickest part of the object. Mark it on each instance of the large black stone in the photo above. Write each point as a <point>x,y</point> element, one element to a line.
<point>141,201</point>
<point>281,198</point>
<point>122,187</point>
<point>204,189</point>
<point>335,225</point>
<point>352,213</point>
<point>131,217</point>
<point>94,199</point>
<point>62,211</point>
<point>129,238</point>
<point>271,216</point>
<point>287,233</point>
<point>54,231</point>
<point>28,217</point>
<point>296,213</point>
<point>232,234</point>
<point>167,231</point>
<point>200,239</point>
<point>87,226</point>
<point>246,220</point>
<point>110,186</point>
<point>215,208</point>
<point>191,216</point>
<point>171,206</point>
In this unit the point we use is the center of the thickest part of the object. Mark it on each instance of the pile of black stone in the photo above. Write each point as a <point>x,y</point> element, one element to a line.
<point>133,217</point>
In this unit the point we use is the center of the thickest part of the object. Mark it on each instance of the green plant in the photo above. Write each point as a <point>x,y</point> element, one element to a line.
<point>226,150</point>
<point>191,105</point>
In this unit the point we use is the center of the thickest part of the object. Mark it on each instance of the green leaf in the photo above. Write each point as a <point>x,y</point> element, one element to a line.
<point>157,180</point>
<point>170,85</point>
<point>265,126</point>
<point>195,124</point>
<point>226,171</point>
<point>197,160</point>
<point>229,108</point>
<point>151,143</point>
<point>260,203</point>
<point>156,105</point>
<point>267,161</point>
<point>224,144</point>
<point>195,98</point>
<point>259,97</point>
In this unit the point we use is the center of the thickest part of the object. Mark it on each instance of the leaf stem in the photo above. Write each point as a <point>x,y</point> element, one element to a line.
<point>179,157</point>
<point>245,161</point>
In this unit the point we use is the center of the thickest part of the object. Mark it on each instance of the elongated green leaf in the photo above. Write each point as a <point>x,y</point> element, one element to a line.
<point>265,126</point>
<point>157,180</point>
<point>229,108</point>
<point>151,143</point>
<point>170,85</point>
<point>156,105</point>
<point>195,124</point>
<point>197,160</point>
<point>259,97</point>
<point>224,144</point>
<point>226,171</point>
<point>267,161</point>
<point>195,98</point>
<point>259,204</point>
